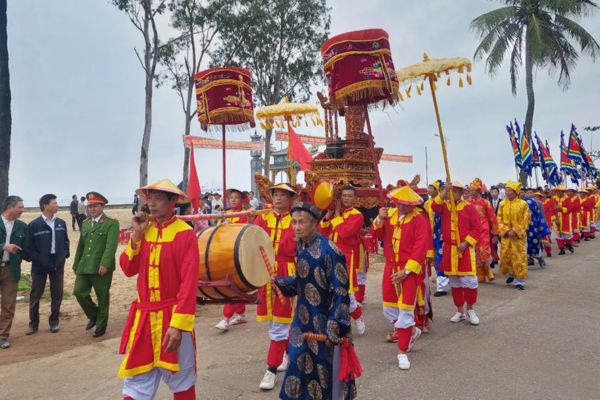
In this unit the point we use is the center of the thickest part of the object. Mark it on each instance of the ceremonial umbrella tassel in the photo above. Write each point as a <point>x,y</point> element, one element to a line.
<point>224,97</point>
<point>287,111</point>
<point>360,72</point>
<point>430,70</point>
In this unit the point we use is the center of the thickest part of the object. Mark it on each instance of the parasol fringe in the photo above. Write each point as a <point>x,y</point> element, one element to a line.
<point>214,128</point>
<point>448,82</point>
<point>469,79</point>
<point>408,91</point>
<point>460,82</point>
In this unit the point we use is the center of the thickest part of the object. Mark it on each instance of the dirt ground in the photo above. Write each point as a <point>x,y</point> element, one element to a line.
<point>72,319</point>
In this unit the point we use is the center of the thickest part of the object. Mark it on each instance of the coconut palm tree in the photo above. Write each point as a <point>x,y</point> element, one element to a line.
<point>543,33</point>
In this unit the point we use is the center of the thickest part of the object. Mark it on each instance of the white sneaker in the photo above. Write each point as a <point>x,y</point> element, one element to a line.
<point>413,338</point>
<point>268,381</point>
<point>223,325</point>
<point>284,364</point>
<point>360,326</point>
<point>457,317</point>
<point>473,318</point>
<point>403,362</point>
<point>237,319</point>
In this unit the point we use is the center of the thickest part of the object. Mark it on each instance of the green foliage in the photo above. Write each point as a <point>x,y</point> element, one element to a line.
<point>544,26</point>
<point>279,41</point>
<point>24,283</point>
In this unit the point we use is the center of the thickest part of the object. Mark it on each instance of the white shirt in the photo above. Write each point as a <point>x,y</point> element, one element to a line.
<point>96,220</point>
<point>502,194</point>
<point>50,223</point>
<point>495,203</point>
<point>8,225</point>
<point>254,202</point>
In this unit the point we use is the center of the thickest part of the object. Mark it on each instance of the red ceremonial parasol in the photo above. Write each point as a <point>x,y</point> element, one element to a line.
<point>360,71</point>
<point>224,97</point>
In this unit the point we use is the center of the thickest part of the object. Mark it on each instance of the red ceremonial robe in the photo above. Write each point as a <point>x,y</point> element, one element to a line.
<point>469,230</point>
<point>279,229</point>
<point>166,263</point>
<point>344,231</point>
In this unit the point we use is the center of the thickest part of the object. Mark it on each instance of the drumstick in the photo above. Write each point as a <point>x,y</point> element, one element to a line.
<point>210,217</point>
<point>317,337</point>
<point>272,273</point>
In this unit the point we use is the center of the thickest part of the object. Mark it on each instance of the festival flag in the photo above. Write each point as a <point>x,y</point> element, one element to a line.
<point>567,165</point>
<point>587,165</point>
<point>514,144</point>
<point>194,189</point>
<point>548,166</point>
<point>536,157</point>
<point>526,154</point>
<point>574,149</point>
<point>297,151</point>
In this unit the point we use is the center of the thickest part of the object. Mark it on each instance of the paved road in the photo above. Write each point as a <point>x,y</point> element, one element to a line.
<point>541,343</point>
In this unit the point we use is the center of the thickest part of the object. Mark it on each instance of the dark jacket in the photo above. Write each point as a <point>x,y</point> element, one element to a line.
<point>497,205</point>
<point>73,207</point>
<point>40,237</point>
<point>19,237</point>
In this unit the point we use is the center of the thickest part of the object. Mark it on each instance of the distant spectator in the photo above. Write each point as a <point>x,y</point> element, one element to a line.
<point>254,203</point>
<point>136,204</point>
<point>217,201</point>
<point>81,211</point>
<point>49,250</point>
<point>15,246</point>
<point>74,209</point>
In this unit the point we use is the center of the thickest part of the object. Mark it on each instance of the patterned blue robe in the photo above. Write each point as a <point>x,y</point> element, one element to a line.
<point>321,285</point>
<point>438,244</point>
<point>538,228</point>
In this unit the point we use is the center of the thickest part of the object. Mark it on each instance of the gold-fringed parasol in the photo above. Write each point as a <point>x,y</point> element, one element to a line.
<point>291,114</point>
<point>434,70</point>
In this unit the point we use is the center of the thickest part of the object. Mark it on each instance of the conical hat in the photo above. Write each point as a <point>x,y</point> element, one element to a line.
<point>282,186</point>
<point>559,188</point>
<point>163,185</point>
<point>405,195</point>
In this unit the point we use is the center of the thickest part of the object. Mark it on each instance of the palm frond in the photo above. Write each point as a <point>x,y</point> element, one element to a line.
<point>496,54</point>
<point>578,8</point>
<point>587,43</point>
<point>487,22</point>
<point>516,60</point>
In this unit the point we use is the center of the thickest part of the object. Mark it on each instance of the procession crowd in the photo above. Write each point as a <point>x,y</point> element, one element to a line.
<point>318,281</point>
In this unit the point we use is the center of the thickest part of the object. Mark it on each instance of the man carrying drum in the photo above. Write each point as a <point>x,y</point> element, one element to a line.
<point>234,314</point>
<point>277,222</point>
<point>158,337</point>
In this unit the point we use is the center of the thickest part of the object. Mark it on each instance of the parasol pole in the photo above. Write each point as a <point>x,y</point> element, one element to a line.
<point>374,157</point>
<point>440,131</point>
<point>224,169</point>
<point>289,153</point>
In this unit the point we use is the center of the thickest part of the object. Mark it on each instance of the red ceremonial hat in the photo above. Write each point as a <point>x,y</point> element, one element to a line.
<point>359,68</point>
<point>224,97</point>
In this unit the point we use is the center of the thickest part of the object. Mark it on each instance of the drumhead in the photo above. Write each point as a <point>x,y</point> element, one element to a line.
<point>248,255</point>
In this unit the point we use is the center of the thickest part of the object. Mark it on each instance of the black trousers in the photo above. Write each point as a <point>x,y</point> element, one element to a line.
<point>38,285</point>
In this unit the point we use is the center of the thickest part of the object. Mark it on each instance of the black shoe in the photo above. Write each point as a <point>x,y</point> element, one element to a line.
<point>587,239</point>
<point>439,294</point>
<point>31,330</point>
<point>549,255</point>
<point>509,280</point>
<point>54,328</point>
<point>561,252</point>
<point>530,261</point>
<point>520,287</point>
<point>99,332</point>
<point>91,323</point>
<point>570,248</point>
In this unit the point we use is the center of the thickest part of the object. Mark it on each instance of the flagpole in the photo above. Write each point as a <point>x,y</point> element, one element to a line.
<point>291,162</point>
<point>224,169</point>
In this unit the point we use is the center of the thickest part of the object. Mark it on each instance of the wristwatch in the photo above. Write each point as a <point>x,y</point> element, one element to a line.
<point>406,272</point>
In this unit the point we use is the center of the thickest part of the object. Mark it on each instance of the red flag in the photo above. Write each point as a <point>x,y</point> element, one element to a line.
<point>194,189</point>
<point>297,151</point>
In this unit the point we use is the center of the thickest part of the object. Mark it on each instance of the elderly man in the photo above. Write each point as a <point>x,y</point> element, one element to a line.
<point>461,231</point>
<point>95,262</point>
<point>321,285</point>
<point>406,236</point>
<point>15,246</point>
<point>513,223</point>
<point>158,338</point>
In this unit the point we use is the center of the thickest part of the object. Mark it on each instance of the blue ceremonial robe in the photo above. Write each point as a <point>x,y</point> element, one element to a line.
<point>321,285</point>
<point>538,228</point>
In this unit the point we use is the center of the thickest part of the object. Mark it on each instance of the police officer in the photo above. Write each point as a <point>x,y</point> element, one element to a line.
<point>95,262</point>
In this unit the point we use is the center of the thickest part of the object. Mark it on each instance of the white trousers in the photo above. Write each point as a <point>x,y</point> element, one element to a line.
<point>144,386</point>
<point>442,284</point>
<point>278,331</point>
<point>467,281</point>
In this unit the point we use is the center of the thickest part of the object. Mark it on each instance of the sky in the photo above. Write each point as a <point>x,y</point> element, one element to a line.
<point>78,100</point>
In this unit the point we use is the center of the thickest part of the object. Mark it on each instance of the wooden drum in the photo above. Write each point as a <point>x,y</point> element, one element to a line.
<point>232,252</point>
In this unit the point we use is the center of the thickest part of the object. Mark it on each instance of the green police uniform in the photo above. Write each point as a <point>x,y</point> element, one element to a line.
<point>97,247</point>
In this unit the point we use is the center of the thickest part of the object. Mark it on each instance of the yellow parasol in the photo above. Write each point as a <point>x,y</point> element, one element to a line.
<point>432,70</point>
<point>291,114</point>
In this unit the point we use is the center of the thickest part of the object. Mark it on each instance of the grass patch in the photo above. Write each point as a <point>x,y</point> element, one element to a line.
<point>25,283</point>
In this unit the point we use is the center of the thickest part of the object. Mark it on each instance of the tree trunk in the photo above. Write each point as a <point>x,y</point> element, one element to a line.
<point>267,160</point>
<point>530,94</point>
<point>5,98</point>
<point>147,131</point>
<point>186,155</point>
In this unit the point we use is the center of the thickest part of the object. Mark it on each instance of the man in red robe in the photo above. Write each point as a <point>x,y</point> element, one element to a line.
<point>575,212</point>
<point>587,213</point>
<point>343,227</point>
<point>489,226</point>
<point>158,338</point>
<point>564,230</point>
<point>407,238</point>
<point>234,314</point>
<point>461,231</point>
<point>278,225</point>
